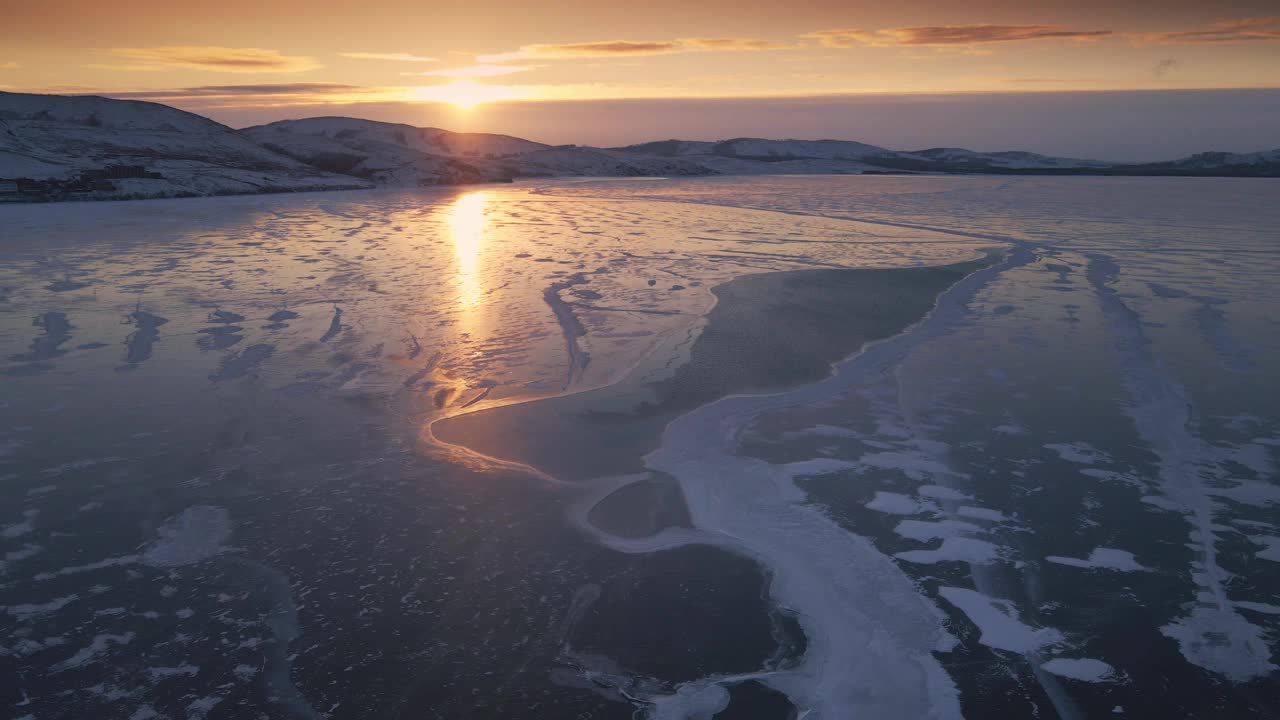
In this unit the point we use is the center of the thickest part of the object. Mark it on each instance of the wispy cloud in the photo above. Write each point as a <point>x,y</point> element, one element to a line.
<point>219,59</point>
<point>255,89</point>
<point>702,43</point>
<point>1259,29</point>
<point>475,71</point>
<point>846,37</point>
<point>624,48</point>
<point>257,94</point>
<point>9,66</point>
<point>124,68</point>
<point>397,57</point>
<point>949,35</point>
<point>1047,80</point>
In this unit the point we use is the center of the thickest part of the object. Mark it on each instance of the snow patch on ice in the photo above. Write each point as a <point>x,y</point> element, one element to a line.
<point>1083,669</point>
<point>1265,608</point>
<point>30,611</point>
<point>1213,635</point>
<point>194,535</point>
<point>1222,641</point>
<point>1102,559</point>
<point>998,622</point>
<point>958,549</point>
<point>923,530</point>
<point>22,527</point>
<point>832,431</point>
<point>691,701</point>
<point>913,466</point>
<point>942,493</point>
<point>1270,547</point>
<point>1078,452</point>
<point>98,646</point>
<point>979,513</point>
<point>892,503</point>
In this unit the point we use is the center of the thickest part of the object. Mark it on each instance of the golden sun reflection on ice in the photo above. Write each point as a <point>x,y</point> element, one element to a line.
<point>467,226</point>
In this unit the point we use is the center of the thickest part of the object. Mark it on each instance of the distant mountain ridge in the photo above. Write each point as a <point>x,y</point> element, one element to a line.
<point>86,147</point>
<point>407,156</point>
<point>54,147</point>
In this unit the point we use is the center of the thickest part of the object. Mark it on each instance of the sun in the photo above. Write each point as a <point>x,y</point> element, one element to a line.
<point>467,94</point>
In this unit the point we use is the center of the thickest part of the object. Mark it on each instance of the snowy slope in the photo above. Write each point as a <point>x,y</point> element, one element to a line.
<point>760,149</point>
<point>772,150</point>
<point>57,138</point>
<point>98,148</point>
<point>758,156</point>
<point>1265,164</point>
<point>761,156</point>
<point>433,141</point>
<point>595,162</point>
<point>960,157</point>
<point>369,150</point>
<point>403,155</point>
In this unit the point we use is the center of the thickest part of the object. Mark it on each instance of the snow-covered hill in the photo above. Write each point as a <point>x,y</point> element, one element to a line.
<point>761,156</point>
<point>99,148</point>
<point>757,156</point>
<point>433,141</point>
<point>1259,164</point>
<point>762,149</point>
<point>597,162</point>
<point>84,147</point>
<point>383,153</point>
<point>1013,160</point>
<point>404,155</point>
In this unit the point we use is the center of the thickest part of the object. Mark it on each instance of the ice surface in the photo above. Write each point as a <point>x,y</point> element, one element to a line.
<point>1073,456</point>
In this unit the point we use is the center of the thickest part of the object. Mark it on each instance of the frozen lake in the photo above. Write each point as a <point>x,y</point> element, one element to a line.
<point>933,447</point>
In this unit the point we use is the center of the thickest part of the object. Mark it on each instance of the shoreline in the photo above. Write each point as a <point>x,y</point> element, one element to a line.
<point>594,178</point>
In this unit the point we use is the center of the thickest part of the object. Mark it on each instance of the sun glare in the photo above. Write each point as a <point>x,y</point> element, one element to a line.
<point>467,94</point>
<point>467,226</point>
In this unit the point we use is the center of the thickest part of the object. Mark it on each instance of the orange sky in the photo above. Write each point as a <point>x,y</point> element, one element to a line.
<point>258,60</point>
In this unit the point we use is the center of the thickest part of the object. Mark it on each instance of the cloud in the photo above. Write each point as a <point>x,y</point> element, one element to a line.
<point>475,71</point>
<point>1044,80</point>
<point>219,59</point>
<point>846,37</point>
<point>625,48</point>
<point>270,94</point>
<point>1259,29</point>
<point>945,35</point>
<point>1163,67</point>
<point>255,89</point>
<point>398,57</point>
<point>9,66</point>
<point>124,68</point>
<point>275,89</point>
<point>605,48</point>
<point>731,44</point>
